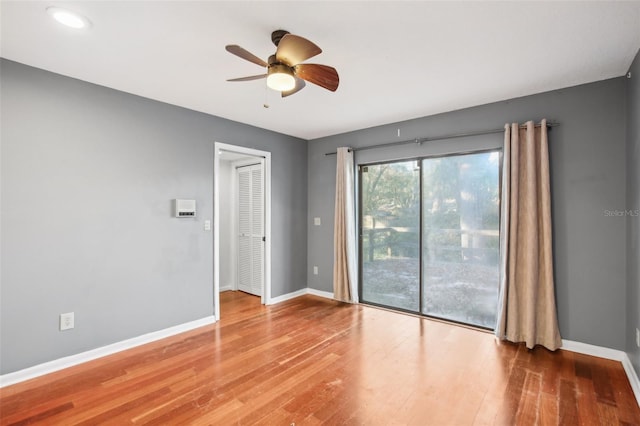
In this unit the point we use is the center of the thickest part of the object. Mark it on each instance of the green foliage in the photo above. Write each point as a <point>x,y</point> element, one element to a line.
<point>460,204</point>
<point>391,193</point>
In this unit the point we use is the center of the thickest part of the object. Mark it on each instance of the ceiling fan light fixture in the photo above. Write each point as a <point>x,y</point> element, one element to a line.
<point>280,78</point>
<point>68,18</point>
<point>286,72</point>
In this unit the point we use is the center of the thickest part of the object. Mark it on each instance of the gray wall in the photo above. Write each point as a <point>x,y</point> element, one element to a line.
<point>588,177</point>
<point>633,204</point>
<point>87,175</point>
<point>87,178</point>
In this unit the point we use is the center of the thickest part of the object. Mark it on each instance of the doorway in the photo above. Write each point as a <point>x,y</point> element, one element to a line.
<point>228,269</point>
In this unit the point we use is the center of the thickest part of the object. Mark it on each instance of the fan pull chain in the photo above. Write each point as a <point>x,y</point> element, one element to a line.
<point>266,93</point>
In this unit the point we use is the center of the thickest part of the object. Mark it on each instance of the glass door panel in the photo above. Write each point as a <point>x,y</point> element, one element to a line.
<point>460,246</point>
<point>390,234</point>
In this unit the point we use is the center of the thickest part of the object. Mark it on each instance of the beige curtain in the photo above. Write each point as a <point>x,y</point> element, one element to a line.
<point>344,244</point>
<point>527,311</point>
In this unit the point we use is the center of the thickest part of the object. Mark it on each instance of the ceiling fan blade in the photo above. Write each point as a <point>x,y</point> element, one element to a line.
<point>251,77</point>
<point>239,51</point>
<point>293,49</point>
<point>322,75</point>
<point>299,86</point>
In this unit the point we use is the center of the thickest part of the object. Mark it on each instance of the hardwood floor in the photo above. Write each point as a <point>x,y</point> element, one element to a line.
<point>314,361</point>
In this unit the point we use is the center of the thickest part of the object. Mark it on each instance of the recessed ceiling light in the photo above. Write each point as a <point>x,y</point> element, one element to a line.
<point>68,18</point>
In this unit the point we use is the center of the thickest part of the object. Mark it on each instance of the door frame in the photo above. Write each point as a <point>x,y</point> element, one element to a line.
<point>266,156</point>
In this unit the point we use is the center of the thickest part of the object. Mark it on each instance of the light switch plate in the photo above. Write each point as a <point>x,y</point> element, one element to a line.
<point>316,221</point>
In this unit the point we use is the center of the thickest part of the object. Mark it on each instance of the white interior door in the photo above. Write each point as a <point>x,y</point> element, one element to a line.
<point>251,228</point>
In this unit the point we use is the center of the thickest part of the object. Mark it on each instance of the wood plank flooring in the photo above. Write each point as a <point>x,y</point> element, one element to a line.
<point>312,361</point>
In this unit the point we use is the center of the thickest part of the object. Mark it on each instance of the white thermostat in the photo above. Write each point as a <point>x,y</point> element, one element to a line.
<point>184,208</point>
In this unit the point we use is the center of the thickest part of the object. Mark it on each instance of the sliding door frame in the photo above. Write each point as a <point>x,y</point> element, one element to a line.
<point>419,160</point>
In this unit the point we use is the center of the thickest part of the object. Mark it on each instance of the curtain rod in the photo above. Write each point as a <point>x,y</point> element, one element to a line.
<point>438,138</point>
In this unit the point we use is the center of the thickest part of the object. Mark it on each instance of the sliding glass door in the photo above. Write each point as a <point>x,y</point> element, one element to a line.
<point>429,236</point>
<point>390,234</point>
<point>460,237</point>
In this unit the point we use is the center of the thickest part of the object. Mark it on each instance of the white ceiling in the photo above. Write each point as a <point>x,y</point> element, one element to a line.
<point>396,60</point>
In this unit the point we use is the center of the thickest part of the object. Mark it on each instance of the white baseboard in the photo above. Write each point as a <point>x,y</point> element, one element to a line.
<point>633,377</point>
<point>593,350</point>
<point>226,287</point>
<point>299,293</point>
<point>607,353</point>
<point>320,293</point>
<point>288,296</point>
<point>70,361</point>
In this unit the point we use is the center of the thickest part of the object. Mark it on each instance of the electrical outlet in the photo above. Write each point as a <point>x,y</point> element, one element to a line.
<point>67,321</point>
<point>315,270</point>
<point>638,337</point>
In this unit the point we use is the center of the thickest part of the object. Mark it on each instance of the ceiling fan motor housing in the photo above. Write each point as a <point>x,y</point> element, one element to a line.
<point>280,69</point>
<point>276,66</point>
<point>277,35</point>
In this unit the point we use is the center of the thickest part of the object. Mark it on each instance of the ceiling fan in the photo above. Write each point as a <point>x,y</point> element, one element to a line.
<point>285,72</point>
